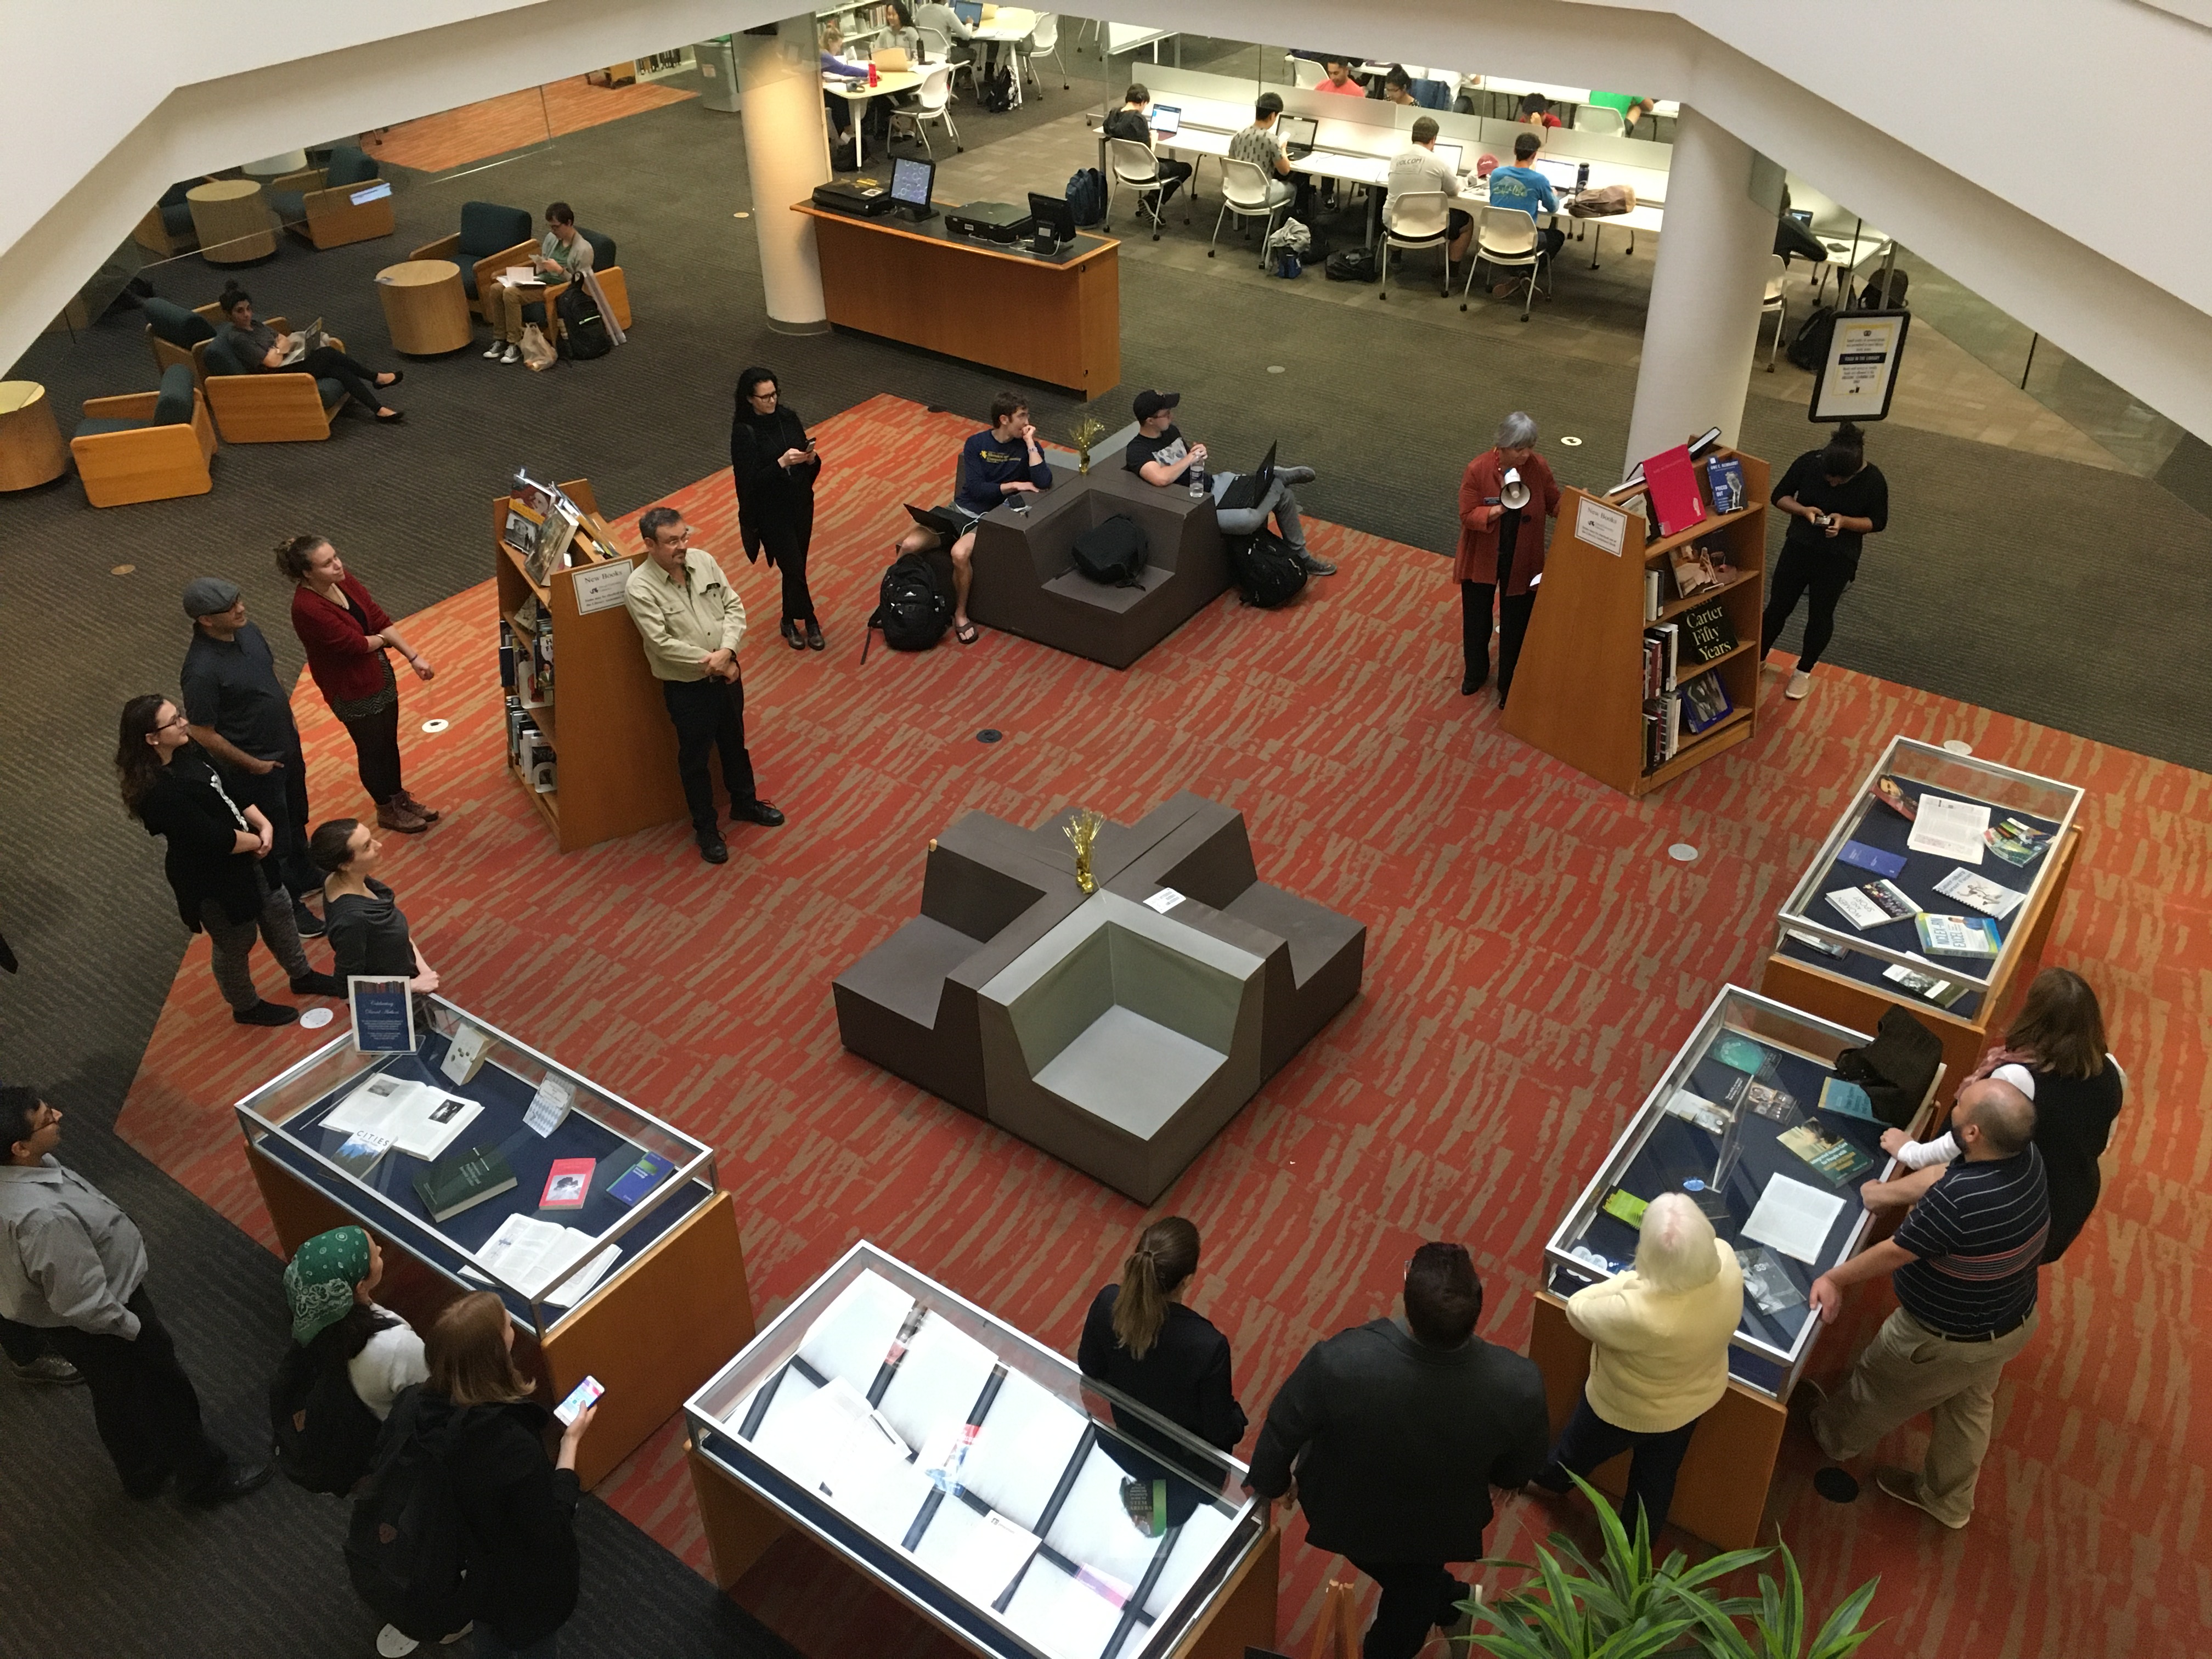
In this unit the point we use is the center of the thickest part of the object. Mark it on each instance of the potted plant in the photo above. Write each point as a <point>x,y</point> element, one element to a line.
<point>1084,434</point>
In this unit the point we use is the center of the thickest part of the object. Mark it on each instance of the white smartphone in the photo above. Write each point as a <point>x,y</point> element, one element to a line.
<point>583,1396</point>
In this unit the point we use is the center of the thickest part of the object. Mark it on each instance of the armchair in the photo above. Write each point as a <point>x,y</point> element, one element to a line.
<point>261,407</point>
<point>335,205</point>
<point>146,446</point>
<point>490,238</point>
<point>177,336</point>
<point>167,230</point>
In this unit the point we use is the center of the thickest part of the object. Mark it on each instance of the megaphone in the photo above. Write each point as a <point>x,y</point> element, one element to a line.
<point>1513,490</point>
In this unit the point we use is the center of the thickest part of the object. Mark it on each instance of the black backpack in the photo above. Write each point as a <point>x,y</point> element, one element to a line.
<point>323,1437</point>
<point>404,1550</point>
<point>1351,265</point>
<point>912,608</point>
<point>583,333</point>
<point>1086,195</point>
<point>1808,347</point>
<point>997,94</point>
<point>1265,569</point>
<point>1872,297</point>
<point>1113,552</point>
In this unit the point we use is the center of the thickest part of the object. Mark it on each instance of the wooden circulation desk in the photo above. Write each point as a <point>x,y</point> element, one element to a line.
<point>1055,320</point>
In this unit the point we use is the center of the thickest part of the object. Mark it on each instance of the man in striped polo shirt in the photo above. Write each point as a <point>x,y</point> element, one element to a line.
<point>1963,1263</point>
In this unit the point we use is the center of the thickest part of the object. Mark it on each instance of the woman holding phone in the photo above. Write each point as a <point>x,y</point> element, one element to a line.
<point>774,466</point>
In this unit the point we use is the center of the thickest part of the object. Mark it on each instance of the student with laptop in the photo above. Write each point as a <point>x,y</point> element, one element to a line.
<point>1522,187</point>
<point>1420,168</point>
<point>1158,455</point>
<point>1133,121</point>
<point>950,22</point>
<point>898,52</point>
<point>1261,145</point>
<point>262,351</point>
<point>998,464</point>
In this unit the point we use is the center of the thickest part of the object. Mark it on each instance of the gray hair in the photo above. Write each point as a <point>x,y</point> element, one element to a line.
<point>1675,1246</point>
<point>1517,431</point>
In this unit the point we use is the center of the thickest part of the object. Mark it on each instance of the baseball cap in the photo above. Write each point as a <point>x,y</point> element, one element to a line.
<point>1150,403</point>
<point>209,596</point>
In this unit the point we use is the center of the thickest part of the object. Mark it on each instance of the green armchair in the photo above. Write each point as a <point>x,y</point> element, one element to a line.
<point>490,238</point>
<point>146,446</point>
<point>254,406</point>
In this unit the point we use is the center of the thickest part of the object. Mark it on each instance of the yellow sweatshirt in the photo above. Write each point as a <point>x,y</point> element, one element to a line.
<point>1658,1358</point>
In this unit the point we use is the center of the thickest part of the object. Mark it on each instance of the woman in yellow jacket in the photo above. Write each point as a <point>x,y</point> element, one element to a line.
<point>1659,1357</point>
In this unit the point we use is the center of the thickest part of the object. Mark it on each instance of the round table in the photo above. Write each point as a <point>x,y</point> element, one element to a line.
<point>31,448</point>
<point>232,221</point>
<point>424,307</point>
<point>276,166</point>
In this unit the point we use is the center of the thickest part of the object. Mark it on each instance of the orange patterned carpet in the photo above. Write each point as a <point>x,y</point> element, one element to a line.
<point>516,120</point>
<point>1533,959</point>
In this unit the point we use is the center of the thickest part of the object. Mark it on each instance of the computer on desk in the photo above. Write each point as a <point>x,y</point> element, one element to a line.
<point>1449,155</point>
<point>1296,134</point>
<point>912,183</point>
<point>969,12</point>
<point>1561,174</point>
<point>1167,118</point>
<point>1055,222</point>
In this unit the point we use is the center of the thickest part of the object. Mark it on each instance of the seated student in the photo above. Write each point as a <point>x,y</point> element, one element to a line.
<point>1258,145</point>
<point>841,109</point>
<point>563,256</point>
<point>1633,107</point>
<point>1522,187</point>
<point>1158,455</point>
<point>1398,86</point>
<point>1002,461</point>
<point>1420,168</point>
<point>938,16</point>
<point>1339,79</point>
<point>1132,121</point>
<point>264,348</point>
<point>1535,111</point>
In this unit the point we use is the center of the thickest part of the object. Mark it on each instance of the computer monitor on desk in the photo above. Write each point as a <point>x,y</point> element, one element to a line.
<point>1296,134</point>
<point>1167,118</point>
<point>912,182</point>
<point>1052,215</point>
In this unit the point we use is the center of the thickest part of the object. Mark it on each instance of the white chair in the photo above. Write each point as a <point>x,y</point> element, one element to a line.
<point>932,102</point>
<point>1775,301</point>
<point>1244,192</point>
<point>1043,42</point>
<point>1131,163</point>
<point>1417,219</point>
<point>1600,117</point>
<point>1506,240</point>
<point>1305,73</point>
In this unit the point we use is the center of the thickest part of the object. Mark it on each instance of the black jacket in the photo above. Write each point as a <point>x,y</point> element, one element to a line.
<point>1397,1444</point>
<point>187,806</point>
<point>1184,1375</point>
<point>776,505</point>
<point>2073,1122</point>
<point>517,1515</point>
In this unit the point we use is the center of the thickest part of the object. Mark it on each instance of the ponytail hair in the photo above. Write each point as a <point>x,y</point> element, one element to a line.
<point>1166,1255</point>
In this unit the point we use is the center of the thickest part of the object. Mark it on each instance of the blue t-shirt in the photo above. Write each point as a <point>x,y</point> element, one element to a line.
<point>1523,188</point>
<point>1978,1235</point>
<point>985,463</point>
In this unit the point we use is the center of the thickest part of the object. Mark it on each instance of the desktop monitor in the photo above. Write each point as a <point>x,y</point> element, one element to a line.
<point>969,12</point>
<point>1293,129</point>
<point>1168,118</point>
<point>1052,213</point>
<point>1561,174</point>
<point>1449,155</point>
<point>912,181</point>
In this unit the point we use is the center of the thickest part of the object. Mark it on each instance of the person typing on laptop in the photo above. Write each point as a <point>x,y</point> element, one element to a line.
<point>264,351</point>
<point>1420,168</point>
<point>1133,121</point>
<point>1160,455</point>
<point>1522,187</point>
<point>1260,145</point>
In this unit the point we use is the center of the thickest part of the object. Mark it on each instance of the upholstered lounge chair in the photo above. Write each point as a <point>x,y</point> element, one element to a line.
<point>146,446</point>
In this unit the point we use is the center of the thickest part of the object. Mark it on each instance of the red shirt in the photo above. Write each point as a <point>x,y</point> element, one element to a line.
<point>345,667</point>
<point>1352,88</point>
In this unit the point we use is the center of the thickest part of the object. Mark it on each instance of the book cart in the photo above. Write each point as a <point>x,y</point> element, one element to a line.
<point>1579,689</point>
<point>597,703</point>
<point>651,1324</point>
<point>1722,1124</point>
<point>938,1454</point>
<point>1820,962</point>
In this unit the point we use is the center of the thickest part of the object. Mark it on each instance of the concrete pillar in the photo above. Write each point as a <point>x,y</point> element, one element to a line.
<point>1722,199</point>
<point>787,154</point>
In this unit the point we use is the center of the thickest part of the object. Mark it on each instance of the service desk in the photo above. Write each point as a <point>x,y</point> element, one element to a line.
<point>651,1322</point>
<point>1056,319</point>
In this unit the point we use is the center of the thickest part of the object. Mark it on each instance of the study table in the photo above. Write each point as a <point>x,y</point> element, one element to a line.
<point>1009,26</point>
<point>858,93</point>
<point>1051,318</point>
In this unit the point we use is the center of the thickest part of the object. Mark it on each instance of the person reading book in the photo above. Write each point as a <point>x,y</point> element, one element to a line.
<point>264,351</point>
<point>369,931</point>
<point>1501,549</point>
<point>1835,500</point>
<point>563,256</point>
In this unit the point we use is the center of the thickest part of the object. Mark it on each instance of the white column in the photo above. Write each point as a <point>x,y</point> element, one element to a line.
<point>1722,199</point>
<point>787,156</point>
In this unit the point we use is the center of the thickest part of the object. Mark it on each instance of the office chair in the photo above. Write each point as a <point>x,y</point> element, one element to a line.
<point>1244,192</point>
<point>1417,219</point>
<point>1504,238</point>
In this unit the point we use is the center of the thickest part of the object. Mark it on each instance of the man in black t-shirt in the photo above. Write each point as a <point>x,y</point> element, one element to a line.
<point>1963,1264</point>
<point>1158,455</point>
<point>1835,500</point>
<point>1133,121</point>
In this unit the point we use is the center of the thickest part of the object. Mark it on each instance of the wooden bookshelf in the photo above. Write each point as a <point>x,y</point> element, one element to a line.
<point>1579,689</point>
<point>613,744</point>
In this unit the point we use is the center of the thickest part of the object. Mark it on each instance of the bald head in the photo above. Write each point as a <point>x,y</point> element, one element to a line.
<point>2000,1118</point>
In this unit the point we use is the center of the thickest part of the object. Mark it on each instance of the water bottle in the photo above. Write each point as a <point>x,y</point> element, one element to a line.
<point>1197,481</point>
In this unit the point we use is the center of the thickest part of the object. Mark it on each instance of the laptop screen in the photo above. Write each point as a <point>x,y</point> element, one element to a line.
<point>1561,174</point>
<point>1292,129</point>
<point>911,181</point>
<point>1449,155</point>
<point>969,12</point>
<point>1167,118</point>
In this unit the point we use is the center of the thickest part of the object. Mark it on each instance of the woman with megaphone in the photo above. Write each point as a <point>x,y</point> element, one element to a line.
<point>1504,498</point>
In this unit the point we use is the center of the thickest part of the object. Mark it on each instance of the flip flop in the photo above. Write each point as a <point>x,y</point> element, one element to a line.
<point>966,633</point>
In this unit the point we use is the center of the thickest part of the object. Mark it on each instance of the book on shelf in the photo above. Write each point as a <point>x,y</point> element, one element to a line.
<point>506,655</point>
<point>520,533</point>
<point>1668,636</point>
<point>1958,936</point>
<point>1704,703</point>
<point>1695,570</point>
<point>463,1183</point>
<point>1724,477</point>
<point>555,536</point>
<point>1652,599</point>
<point>1672,481</point>
<point>1706,635</point>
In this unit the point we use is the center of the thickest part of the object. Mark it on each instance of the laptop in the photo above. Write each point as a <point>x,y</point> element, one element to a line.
<point>948,525</point>
<point>1296,135</point>
<point>1561,174</point>
<point>310,339</point>
<point>1167,118</point>
<point>1248,490</point>
<point>969,12</point>
<point>1449,155</point>
<point>892,60</point>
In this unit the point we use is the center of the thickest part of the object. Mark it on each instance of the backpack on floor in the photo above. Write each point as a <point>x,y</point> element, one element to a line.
<point>404,1547</point>
<point>1808,347</point>
<point>1112,553</point>
<point>1351,265</point>
<point>584,334</point>
<point>1265,569</point>
<point>912,608</point>
<point>997,93</point>
<point>1086,195</point>
<point>1873,298</point>
<point>323,1437</point>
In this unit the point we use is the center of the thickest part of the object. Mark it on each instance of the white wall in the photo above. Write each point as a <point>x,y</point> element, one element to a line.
<point>1994,139</point>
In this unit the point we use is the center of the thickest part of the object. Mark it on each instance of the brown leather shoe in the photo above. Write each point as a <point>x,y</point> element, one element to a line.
<point>397,814</point>
<point>419,810</point>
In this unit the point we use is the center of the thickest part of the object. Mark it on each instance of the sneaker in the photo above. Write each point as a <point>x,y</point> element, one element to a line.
<point>47,1368</point>
<point>1297,475</point>
<point>306,923</point>
<point>1800,684</point>
<point>319,985</point>
<point>1314,567</point>
<point>1904,1486</point>
<point>396,814</point>
<point>394,1644</point>
<point>513,354</point>
<point>492,356</point>
<point>417,808</point>
<point>265,1013</point>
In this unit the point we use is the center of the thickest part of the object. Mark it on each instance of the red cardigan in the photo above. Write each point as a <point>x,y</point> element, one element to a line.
<point>1477,539</point>
<point>338,656</point>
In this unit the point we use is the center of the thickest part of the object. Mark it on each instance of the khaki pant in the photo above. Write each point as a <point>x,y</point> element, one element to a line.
<point>507,312</point>
<point>1906,1369</point>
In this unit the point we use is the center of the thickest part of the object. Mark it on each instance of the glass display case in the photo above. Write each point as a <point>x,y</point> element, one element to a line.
<point>1737,1122</point>
<point>957,1463</point>
<point>498,1167</point>
<point>1940,928</point>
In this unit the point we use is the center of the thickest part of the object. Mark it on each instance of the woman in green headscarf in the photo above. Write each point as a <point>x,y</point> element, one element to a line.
<point>330,1287</point>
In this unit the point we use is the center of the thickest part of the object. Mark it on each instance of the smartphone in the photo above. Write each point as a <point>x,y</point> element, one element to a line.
<point>583,1396</point>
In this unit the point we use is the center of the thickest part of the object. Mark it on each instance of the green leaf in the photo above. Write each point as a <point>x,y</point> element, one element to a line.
<point>1837,1638</point>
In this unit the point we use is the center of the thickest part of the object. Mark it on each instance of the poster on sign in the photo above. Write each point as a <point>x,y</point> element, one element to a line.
<point>1856,379</point>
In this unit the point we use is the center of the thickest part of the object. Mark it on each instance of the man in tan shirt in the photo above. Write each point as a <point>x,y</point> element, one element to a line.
<point>692,619</point>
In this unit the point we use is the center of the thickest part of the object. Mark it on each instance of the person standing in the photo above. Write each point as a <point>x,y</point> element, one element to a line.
<point>348,637</point>
<point>1963,1263</point>
<point>369,934</point>
<point>1140,1339</point>
<point>690,620</point>
<point>73,1266</point>
<point>1835,500</point>
<point>241,714</point>
<point>1392,1434</point>
<point>774,466</point>
<point>1501,550</point>
<point>214,858</point>
<point>1659,1358</point>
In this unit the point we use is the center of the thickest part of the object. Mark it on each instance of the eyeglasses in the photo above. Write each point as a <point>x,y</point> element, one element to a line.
<point>164,725</point>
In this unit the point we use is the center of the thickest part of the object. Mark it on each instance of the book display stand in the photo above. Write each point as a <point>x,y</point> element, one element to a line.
<point>606,766</point>
<point>944,1457</point>
<point>1736,1123</point>
<point>600,1227</point>
<point>1580,690</point>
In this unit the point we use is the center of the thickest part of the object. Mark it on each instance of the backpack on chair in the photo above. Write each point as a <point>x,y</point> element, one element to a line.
<point>583,333</point>
<point>912,608</point>
<point>1112,553</point>
<point>1265,569</point>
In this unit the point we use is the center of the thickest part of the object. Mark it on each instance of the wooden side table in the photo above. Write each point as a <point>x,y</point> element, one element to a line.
<point>424,307</point>
<point>232,219</point>
<point>31,448</point>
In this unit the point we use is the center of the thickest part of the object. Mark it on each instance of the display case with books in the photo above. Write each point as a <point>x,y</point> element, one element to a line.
<point>1750,1120</point>
<point>943,1455</point>
<point>1935,891</point>
<point>480,1164</point>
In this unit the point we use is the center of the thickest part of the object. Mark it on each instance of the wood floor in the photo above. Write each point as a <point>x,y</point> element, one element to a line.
<point>494,126</point>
